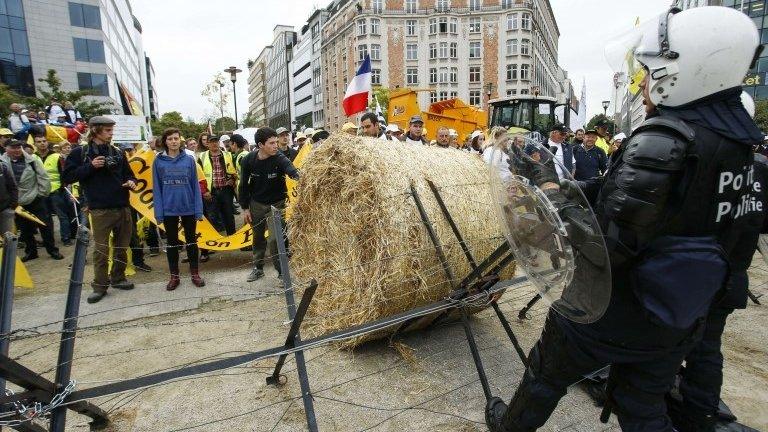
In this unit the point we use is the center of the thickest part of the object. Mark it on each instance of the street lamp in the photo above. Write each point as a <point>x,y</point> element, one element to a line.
<point>605,108</point>
<point>233,71</point>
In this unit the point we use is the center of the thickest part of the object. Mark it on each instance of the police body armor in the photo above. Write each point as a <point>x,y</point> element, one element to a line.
<point>673,207</point>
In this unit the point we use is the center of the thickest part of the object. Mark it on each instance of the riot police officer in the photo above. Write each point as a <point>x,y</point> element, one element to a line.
<point>673,206</point>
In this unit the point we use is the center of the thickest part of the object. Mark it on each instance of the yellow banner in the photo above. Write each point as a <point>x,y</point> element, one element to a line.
<point>298,162</point>
<point>21,277</point>
<point>21,211</point>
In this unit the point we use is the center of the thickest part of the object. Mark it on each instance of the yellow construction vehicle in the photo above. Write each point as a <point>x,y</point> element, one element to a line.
<point>452,113</point>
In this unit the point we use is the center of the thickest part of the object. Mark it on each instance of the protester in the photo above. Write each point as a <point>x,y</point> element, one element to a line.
<point>106,179</point>
<point>562,150</point>
<point>349,128</point>
<point>591,161</point>
<point>191,145</point>
<point>283,142</point>
<point>496,154</point>
<point>300,140</point>
<point>616,143</point>
<point>239,143</point>
<point>18,122</point>
<point>476,142</point>
<point>220,176</point>
<point>263,187</point>
<point>318,136</point>
<point>453,138</point>
<point>369,123</point>
<point>29,149</point>
<point>55,110</point>
<point>443,137</point>
<point>415,134</point>
<point>58,201</point>
<point>669,235</point>
<point>393,132</point>
<point>5,136</point>
<point>9,198</point>
<point>578,138</point>
<point>177,198</point>
<point>33,187</point>
<point>224,142</point>
<point>42,118</point>
<point>73,115</point>
<point>603,140</point>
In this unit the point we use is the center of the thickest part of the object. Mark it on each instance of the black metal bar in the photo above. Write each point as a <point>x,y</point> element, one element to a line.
<point>69,327</point>
<point>433,236</point>
<point>28,427</point>
<point>510,333</point>
<point>476,354</point>
<point>753,297</point>
<point>301,367</point>
<point>492,258</point>
<point>452,223</point>
<point>291,339</point>
<point>523,314</point>
<point>7,276</point>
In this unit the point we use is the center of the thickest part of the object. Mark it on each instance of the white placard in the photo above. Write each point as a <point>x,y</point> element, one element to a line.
<point>129,128</point>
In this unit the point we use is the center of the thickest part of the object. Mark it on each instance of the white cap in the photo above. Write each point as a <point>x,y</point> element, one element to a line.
<point>475,134</point>
<point>452,132</point>
<point>309,132</point>
<point>224,138</point>
<point>620,136</point>
<point>392,127</point>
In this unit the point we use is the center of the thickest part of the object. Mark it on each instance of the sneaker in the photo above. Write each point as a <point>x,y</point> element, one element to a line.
<point>143,267</point>
<point>122,285</point>
<point>96,297</point>
<point>256,274</point>
<point>56,255</point>
<point>494,414</point>
<point>154,251</point>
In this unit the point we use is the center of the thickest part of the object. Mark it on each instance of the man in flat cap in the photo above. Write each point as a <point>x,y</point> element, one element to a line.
<point>415,134</point>
<point>106,180</point>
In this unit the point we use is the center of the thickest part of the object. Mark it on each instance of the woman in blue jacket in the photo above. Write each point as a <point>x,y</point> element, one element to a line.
<point>177,198</point>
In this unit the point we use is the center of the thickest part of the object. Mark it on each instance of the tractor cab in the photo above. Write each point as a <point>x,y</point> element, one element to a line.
<point>524,114</point>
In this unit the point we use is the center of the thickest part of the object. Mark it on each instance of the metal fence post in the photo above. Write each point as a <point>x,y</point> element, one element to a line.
<point>7,276</point>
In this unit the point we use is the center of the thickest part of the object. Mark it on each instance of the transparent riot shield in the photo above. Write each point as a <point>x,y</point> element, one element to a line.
<point>552,230</point>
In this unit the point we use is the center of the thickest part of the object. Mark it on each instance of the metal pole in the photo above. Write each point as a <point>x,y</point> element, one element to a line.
<point>7,275</point>
<point>69,327</point>
<point>276,229</point>
<point>234,95</point>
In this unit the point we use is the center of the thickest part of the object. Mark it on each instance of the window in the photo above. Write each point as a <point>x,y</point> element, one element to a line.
<point>375,76</point>
<point>512,21</point>
<point>474,74</point>
<point>377,5</point>
<point>432,26</point>
<point>506,4</point>
<point>94,82</point>
<point>454,75</point>
<point>525,74</point>
<point>443,5</point>
<point>411,51</point>
<point>433,75</point>
<point>454,95</point>
<point>454,50</point>
<point>442,25</point>
<point>410,6</point>
<point>375,52</point>
<point>443,95</point>
<point>362,51</point>
<point>525,22</point>
<point>474,97</point>
<point>443,76</point>
<point>81,15</point>
<point>474,25</point>
<point>432,97</point>
<point>454,26</point>
<point>410,27</point>
<point>511,47</point>
<point>474,50</point>
<point>375,26</point>
<point>443,50</point>
<point>511,92</point>
<point>524,92</point>
<point>411,76</point>
<point>474,5</point>
<point>525,47</point>
<point>361,27</point>
<point>432,51</point>
<point>89,50</point>
<point>511,72</point>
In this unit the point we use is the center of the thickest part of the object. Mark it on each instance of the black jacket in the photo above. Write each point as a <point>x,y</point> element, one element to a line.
<point>589,163</point>
<point>9,191</point>
<point>263,181</point>
<point>102,187</point>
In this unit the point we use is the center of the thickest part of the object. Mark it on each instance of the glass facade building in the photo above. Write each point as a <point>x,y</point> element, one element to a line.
<point>15,61</point>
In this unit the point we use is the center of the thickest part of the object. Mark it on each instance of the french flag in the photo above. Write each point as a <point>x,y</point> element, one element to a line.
<point>356,97</point>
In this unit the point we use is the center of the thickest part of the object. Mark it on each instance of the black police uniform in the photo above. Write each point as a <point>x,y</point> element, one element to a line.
<point>702,377</point>
<point>672,207</point>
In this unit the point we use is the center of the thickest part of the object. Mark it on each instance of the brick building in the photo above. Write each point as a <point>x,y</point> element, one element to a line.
<point>475,50</point>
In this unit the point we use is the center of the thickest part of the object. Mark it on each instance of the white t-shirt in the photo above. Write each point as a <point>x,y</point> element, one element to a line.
<point>499,160</point>
<point>56,112</point>
<point>560,165</point>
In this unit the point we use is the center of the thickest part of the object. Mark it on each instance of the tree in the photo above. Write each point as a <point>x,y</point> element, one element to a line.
<point>7,97</point>
<point>382,95</point>
<point>249,120</point>
<point>761,115</point>
<point>52,90</point>
<point>600,117</point>
<point>217,93</point>
<point>224,124</point>
<point>173,119</point>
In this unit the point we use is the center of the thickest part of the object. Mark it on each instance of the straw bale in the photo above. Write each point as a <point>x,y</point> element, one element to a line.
<point>356,229</point>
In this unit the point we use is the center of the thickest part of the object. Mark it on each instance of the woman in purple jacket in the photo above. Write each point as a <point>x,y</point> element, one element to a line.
<point>177,198</point>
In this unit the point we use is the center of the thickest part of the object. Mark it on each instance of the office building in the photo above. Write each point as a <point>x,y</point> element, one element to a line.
<point>278,78</point>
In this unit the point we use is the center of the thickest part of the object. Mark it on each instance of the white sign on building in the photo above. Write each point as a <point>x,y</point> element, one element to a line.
<point>129,128</point>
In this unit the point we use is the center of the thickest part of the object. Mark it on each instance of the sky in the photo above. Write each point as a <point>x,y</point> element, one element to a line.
<point>190,41</point>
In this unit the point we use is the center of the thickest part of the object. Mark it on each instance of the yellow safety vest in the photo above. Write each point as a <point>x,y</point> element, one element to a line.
<point>603,144</point>
<point>229,167</point>
<point>51,165</point>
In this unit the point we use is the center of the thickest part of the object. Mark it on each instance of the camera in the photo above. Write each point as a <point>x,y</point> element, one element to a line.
<point>111,162</point>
